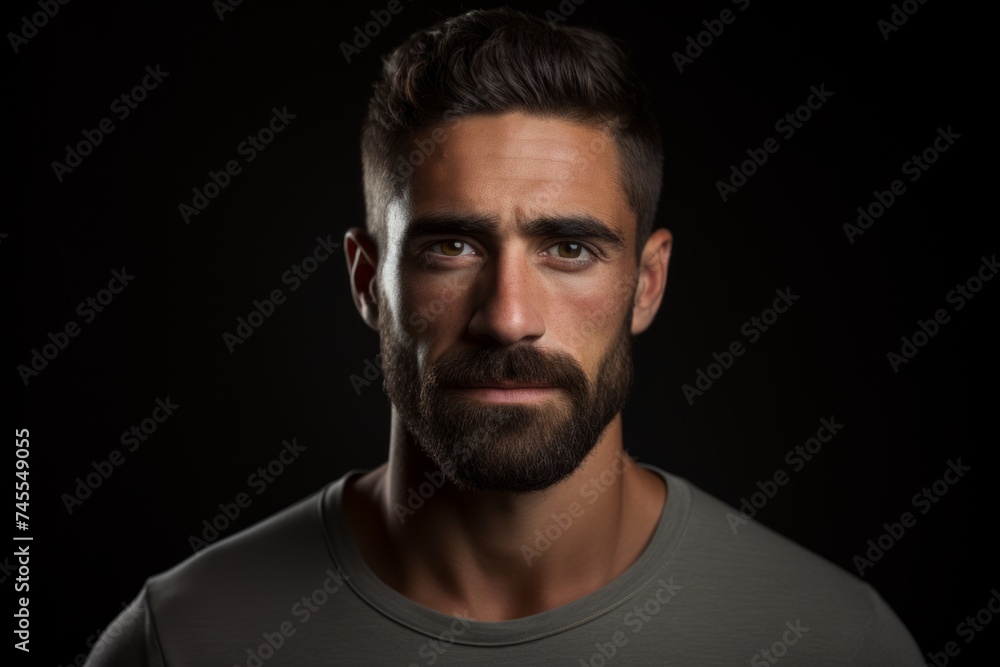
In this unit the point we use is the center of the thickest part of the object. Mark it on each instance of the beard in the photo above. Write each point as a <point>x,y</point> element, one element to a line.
<point>512,447</point>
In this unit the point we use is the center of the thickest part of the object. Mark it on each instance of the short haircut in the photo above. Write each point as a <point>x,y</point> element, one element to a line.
<point>495,61</point>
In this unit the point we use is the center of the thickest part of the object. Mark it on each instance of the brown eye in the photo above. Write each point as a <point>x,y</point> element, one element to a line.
<point>569,249</point>
<point>451,248</point>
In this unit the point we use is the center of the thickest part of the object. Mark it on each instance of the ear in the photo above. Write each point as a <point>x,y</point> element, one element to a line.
<point>652,279</point>
<point>362,265</point>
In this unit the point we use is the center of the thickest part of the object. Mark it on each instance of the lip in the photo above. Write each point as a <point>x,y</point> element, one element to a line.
<point>506,384</point>
<point>508,392</point>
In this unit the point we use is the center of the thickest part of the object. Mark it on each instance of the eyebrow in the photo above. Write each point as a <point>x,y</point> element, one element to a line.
<point>575,226</point>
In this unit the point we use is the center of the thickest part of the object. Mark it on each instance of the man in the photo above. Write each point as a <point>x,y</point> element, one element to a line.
<point>512,170</point>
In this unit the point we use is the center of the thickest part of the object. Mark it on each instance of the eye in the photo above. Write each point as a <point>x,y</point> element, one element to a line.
<point>451,248</point>
<point>570,250</point>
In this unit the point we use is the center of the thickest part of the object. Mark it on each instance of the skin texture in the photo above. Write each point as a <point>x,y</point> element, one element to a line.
<point>511,286</point>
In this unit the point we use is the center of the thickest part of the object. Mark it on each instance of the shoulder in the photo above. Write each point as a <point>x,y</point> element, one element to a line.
<point>754,576</point>
<point>728,541</point>
<point>262,545</point>
<point>206,600</point>
<point>128,640</point>
<point>216,599</point>
<point>260,562</point>
<point>220,598</point>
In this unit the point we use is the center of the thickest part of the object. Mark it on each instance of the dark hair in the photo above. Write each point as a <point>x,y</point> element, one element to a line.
<point>495,61</point>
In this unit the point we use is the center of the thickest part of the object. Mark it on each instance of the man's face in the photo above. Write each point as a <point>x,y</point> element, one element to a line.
<point>505,291</point>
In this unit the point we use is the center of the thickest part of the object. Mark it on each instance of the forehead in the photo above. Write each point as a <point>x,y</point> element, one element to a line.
<point>518,166</point>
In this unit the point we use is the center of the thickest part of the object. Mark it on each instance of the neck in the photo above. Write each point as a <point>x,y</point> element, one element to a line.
<point>497,556</point>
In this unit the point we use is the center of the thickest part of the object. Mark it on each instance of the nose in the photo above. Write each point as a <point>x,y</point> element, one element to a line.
<point>509,298</point>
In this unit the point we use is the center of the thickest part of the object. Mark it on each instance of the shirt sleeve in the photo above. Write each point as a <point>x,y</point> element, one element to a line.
<point>886,642</point>
<point>130,640</point>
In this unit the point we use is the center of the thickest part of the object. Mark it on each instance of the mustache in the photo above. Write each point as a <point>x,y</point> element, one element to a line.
<point>521,363</point>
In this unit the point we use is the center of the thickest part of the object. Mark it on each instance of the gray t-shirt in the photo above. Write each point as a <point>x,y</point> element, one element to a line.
<point>294,590</point>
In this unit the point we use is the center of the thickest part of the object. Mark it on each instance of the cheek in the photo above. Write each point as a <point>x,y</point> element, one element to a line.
<point>433,308</point>
<point>587,318</point>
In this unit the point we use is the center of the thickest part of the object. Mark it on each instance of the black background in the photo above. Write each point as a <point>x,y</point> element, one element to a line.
<point>162,336</point>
